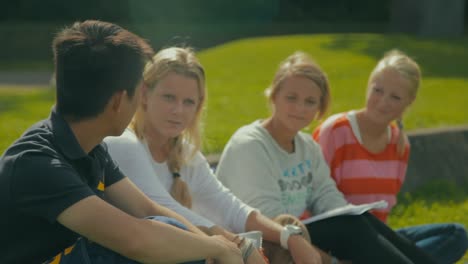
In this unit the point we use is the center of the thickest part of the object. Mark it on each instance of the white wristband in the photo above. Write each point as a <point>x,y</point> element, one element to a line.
<point>286,232</point>
<point>284,236</point>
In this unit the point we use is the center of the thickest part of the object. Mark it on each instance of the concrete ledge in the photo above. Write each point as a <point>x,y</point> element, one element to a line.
<point>437,154</point>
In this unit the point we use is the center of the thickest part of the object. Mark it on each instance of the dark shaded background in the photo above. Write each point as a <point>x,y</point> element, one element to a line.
<point>28,26</point>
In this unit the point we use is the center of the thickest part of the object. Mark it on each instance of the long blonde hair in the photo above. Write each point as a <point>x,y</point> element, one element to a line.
<point>407,68</point>
<point>300,64</point>
<point>180,61</point>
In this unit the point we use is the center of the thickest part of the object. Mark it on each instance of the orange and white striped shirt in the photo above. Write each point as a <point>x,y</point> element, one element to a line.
<point>362,176</point>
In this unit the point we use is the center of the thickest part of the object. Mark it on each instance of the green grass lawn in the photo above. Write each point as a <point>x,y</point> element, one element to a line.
<point>20,107</point>
<point>438,201</point>
<point>238,73</point>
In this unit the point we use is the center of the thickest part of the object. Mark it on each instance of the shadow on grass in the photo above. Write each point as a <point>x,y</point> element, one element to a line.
<point>437,57</point>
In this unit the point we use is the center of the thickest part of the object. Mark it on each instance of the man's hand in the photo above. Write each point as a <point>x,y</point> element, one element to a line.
<point>255,257</point>
<point>230,253</point>
<point>302,251</point>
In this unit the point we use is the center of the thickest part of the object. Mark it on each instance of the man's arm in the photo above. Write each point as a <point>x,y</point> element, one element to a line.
<point>254,258</point>
<point>137,203</point>
<point>143,240</point>
<point>126,196</point>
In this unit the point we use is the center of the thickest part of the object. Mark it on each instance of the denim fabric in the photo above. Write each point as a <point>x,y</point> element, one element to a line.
<point>447,243</point>
<point>86,252</point>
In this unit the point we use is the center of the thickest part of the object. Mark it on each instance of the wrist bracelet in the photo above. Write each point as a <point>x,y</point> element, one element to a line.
<point>246,249</point>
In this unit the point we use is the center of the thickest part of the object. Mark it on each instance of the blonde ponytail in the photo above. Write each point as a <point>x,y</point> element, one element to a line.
<point>402,138</point>
<point>179,189</point>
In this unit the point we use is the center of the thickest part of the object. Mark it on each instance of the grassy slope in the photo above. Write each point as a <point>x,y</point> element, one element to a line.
<point>238,73</point>
<point>20,107</point>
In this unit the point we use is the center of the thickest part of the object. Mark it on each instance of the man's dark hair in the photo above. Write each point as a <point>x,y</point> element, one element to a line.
<point>94,60</point>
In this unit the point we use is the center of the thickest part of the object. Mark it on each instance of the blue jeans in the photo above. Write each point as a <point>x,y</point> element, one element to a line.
<point>86,252</point>
<point>447,243</point>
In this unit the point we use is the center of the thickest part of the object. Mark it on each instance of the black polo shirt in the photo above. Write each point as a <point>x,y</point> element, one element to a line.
<point>44,172</point>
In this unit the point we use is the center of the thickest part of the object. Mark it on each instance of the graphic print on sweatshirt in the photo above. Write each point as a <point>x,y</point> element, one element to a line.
<point>295,186</point>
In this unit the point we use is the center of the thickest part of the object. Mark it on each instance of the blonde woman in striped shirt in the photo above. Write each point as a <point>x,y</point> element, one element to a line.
<point>367,152</point>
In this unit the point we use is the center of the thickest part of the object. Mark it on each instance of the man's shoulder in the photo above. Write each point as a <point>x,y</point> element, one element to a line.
<point>29,161</point>
<point>36,145</point>
<point>36,140</point>
<point>35,137</point>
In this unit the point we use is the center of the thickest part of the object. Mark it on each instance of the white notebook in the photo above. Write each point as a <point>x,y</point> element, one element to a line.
<point>349,209</point>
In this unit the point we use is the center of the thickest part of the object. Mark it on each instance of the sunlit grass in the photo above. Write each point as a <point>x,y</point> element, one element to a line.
<point>20,107</point>
<point>238,73</point>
